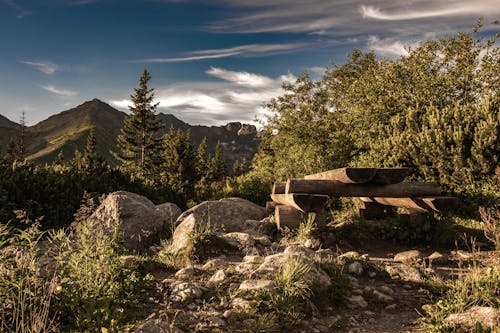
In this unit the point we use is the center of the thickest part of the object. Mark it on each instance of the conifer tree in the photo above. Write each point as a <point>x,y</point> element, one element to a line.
<point>91,159</point>
<point>21,145</point>
<point>217,167</point>
<point>201,159</point>
<point>139,141</point>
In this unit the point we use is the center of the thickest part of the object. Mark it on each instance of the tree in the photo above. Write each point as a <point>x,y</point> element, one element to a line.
<point>217,167</point>
<point>139,142</point>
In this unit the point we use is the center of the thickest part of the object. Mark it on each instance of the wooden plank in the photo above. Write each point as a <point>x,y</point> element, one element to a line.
<point>302,202</point>
<point>420,204</point>
<point>386,176</point>
<point>279,188</point>
<point>339,189</point>
<point>287,216</point>
<point>346,175</point>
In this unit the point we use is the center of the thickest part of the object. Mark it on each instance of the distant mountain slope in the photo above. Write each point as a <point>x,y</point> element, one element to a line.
<point>68,131</point>
<point>8,131</point>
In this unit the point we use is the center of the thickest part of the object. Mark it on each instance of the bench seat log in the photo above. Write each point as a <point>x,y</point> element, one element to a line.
<point>339,189</point>
<point>346,175</point>
<point>300,201</point>
<point>417,204</point>
<point>386,176</point>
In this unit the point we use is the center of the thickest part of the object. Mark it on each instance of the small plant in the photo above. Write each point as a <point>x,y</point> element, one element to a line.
<point>307,229</point>
<point>96,287</point>
<point>491,219</point>
<point>26,297</point>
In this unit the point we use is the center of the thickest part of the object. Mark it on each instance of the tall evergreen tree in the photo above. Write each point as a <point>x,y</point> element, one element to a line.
<point>139,142</point>
<point>217,167</point>
<point>91,159</point>
<point>21,145</point>
<point>201,159</point>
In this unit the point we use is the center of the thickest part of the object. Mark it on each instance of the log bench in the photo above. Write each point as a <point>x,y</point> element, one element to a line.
<point>380,190</point>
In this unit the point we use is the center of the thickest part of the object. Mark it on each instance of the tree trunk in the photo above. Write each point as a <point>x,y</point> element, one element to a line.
<point>346,175</point>
<point>302,202</point>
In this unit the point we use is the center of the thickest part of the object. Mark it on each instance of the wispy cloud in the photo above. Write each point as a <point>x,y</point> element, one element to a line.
<point>387,47</point>
<point>20,10</point>
<point>58,91</point>
<point>238,96</point>
<point>241,50</point>
<point>46,67</point>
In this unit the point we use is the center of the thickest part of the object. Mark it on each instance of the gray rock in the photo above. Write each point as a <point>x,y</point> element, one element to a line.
<point>253,259</point>
<point>350,254</point>
<point>223,216</point>
<point>438,258</point>
<point>355,268</point>
<point>140,221</point>
<point>216,263</point>
<point>185,273</point>
<point>325,256</point>
<point>185,291</point>
<point>256,285</point>
<point>408,256</point>
<point>386,290</point>
<point>299,250</point>
<point>169,213</point>
<point>240,240</point>
<point>404,272</point>
<point>157,326</point>
<point>357,301</point>
<point>241,303</point>
<point>262,227</point>
<point>312,243</point>
<point>382,297</point>
<point>488,317</point>
<point>218,278</point>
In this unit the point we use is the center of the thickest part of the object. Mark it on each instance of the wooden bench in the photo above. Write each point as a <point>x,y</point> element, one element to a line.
<point>379,189</point>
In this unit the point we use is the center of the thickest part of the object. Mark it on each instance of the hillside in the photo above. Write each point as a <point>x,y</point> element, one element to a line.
<point>68,131</point>
<point>8,130</point>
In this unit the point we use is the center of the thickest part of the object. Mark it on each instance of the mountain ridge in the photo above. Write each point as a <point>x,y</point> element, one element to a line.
<point>67,131</point>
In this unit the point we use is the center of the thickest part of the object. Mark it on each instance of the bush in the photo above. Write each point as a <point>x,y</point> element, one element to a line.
<point>26,297</point>
<point>97,289</point>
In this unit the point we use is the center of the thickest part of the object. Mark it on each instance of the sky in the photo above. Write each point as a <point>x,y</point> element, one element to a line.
<point>212,61</point>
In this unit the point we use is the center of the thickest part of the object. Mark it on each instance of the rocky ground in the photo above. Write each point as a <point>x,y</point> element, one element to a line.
<point>365,286</point>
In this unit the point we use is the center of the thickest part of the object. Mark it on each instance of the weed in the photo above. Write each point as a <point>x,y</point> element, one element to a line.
<point>491,219</point>
<point>306,229</point>
<point>26,296</point>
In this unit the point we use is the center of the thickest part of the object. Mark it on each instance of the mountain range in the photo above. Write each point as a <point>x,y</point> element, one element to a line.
<point>67,132</point>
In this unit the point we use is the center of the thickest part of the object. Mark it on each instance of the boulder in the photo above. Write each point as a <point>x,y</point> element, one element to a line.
<point>487,317</point>
<point>141,222</point>
<point>222,216</point>
<point>169,213</point>
<point>408,256</point>
<point>257,285</point>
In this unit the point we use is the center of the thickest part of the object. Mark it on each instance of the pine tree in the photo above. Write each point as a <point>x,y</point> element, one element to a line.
<point>201,159</point>
<point>217,167</point>
<point>21,145</point>
<point>12,152</point>
<point>139,141</point>
<point>91,159</point>
<point>59,160</point>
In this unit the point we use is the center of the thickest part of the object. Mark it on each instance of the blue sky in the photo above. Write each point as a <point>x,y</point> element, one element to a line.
<point>212,61</point>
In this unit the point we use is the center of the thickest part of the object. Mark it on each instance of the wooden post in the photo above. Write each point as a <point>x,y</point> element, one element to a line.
<point>286,216</point>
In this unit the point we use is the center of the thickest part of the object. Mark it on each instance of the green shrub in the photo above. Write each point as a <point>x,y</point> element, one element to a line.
<point>97,289</point>
<point>26,297</point>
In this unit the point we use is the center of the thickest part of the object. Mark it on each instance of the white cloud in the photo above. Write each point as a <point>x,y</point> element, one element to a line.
<point>58,91</point>
<point>240,78</point>
<point>242,50</point>
<point>46,67</point>
<point>240,96</point>
<point>387,47</point>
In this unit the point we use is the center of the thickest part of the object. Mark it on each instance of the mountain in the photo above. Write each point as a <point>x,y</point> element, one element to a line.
<point>68,131</point>
<point>8,131</point>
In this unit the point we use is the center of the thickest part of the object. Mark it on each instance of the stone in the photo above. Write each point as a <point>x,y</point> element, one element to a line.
<point>216,263</point>
<point>241,303</point>
<point>185,291</point>
<point>391,307</point>
<point>355,268</point>
<point>407,256</point>
<point>169,213</point>
<point>227,314</point>
<point>135,216</point>
<point>263,240</point>
<point>312,243</point>
<point>222,216</point>
<point>218,278</point>
<point>438,258</point>
<point>404,272</point>
<point>386,290</point>
<point>253,259</point>
<point>257,285</point>
<point>357,301</point>
<point>382,297</point>
<point>488,317</point>
<point>299,250</point>
<point>350,254</point>
<point>262,227</point>
<point>157,326</point>
<point>240,240</point>
<point>245,267</point>
<point>185,273</point>
<point>462,255</point>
